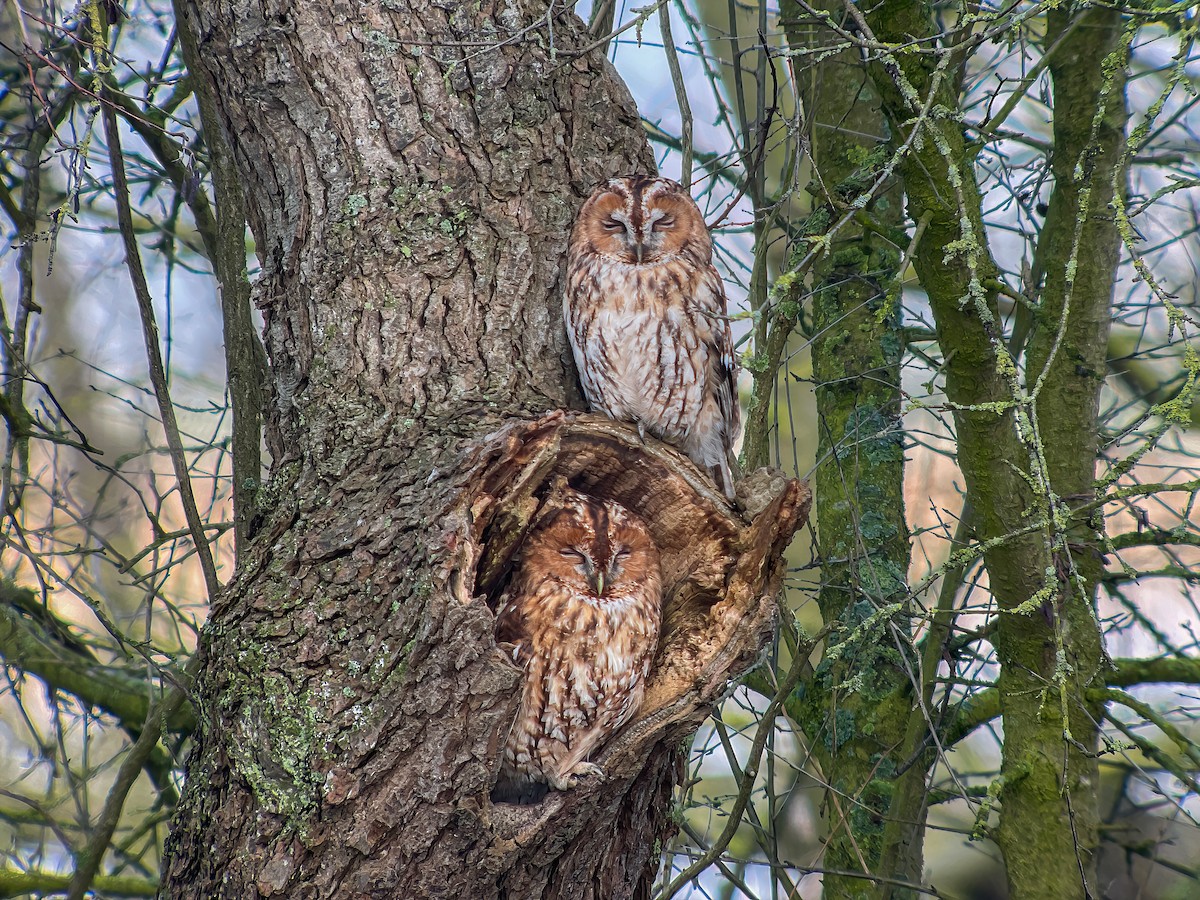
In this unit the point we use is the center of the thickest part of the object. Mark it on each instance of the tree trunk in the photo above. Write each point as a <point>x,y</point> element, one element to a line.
<point>1027,454</point>
<point>411,174</point>
<point>876,799</point>
<point>1051,749</point>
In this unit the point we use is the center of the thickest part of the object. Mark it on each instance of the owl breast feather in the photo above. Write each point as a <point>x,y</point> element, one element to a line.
<point>640,355</point>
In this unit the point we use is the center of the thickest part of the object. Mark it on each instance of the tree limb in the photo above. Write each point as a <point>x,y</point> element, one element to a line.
<point>32,649</point>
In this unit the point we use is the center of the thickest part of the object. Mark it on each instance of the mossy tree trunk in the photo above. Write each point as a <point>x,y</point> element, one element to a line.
<point>1049,821</point>
<point>1027,447</point>
<point>857,706</point>
<point>410,172</point>
<point>1027,443</point>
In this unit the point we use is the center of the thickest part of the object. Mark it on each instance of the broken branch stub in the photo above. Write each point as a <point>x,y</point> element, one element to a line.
<point>721,571</point>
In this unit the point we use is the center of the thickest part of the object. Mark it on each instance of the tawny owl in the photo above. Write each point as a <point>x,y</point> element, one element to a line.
<point>645,312</point>
<point>581,617</point>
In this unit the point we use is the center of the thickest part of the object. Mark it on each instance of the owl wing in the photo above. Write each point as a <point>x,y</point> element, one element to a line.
<point>722,372</point>
<point>725,366</point>
<point>615,704</point>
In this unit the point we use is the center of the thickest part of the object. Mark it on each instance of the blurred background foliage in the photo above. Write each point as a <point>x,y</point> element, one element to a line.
<point>103,591</point>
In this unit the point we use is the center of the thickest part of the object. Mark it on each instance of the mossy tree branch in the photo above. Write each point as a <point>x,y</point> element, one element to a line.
<point>1011,477</point>
<point>1153,537</point>
<point>31,883</point>
<point>30,648</point>
<point>985,706</point>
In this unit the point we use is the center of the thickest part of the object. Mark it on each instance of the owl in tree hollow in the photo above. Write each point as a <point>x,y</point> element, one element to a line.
<point>645,312</point>
<point>581,617</point>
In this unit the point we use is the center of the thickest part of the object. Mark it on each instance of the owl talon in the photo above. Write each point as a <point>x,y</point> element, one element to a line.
<point>581,771</point>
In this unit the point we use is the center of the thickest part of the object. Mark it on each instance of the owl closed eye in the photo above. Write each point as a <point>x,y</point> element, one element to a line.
<point>582,616</point>
<point>645,312</point>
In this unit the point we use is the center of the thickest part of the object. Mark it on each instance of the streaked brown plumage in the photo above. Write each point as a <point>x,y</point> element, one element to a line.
<point>581,617</point>
<point>646,315</point>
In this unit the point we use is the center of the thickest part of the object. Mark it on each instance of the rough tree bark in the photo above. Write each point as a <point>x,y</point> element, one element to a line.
<point>410,172</point>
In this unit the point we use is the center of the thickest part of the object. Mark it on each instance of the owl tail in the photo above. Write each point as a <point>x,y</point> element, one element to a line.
<point>724,474</point>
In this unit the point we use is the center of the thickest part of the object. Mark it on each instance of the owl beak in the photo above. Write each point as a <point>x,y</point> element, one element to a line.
<point>598,583</point>
<point>638,250</point>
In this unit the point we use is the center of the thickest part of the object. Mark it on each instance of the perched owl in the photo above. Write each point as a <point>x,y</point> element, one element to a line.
<point>645,312</point>
<point>581,617</point>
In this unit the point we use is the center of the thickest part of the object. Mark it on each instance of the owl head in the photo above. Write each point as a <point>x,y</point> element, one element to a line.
<point>593,545</point>
<point>641,220</point>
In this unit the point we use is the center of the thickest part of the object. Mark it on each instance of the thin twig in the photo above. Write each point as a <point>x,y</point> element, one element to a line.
<point>681,97</point>
<point>158,375</point>
<point>746,784</point>
<point>89,860</point>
